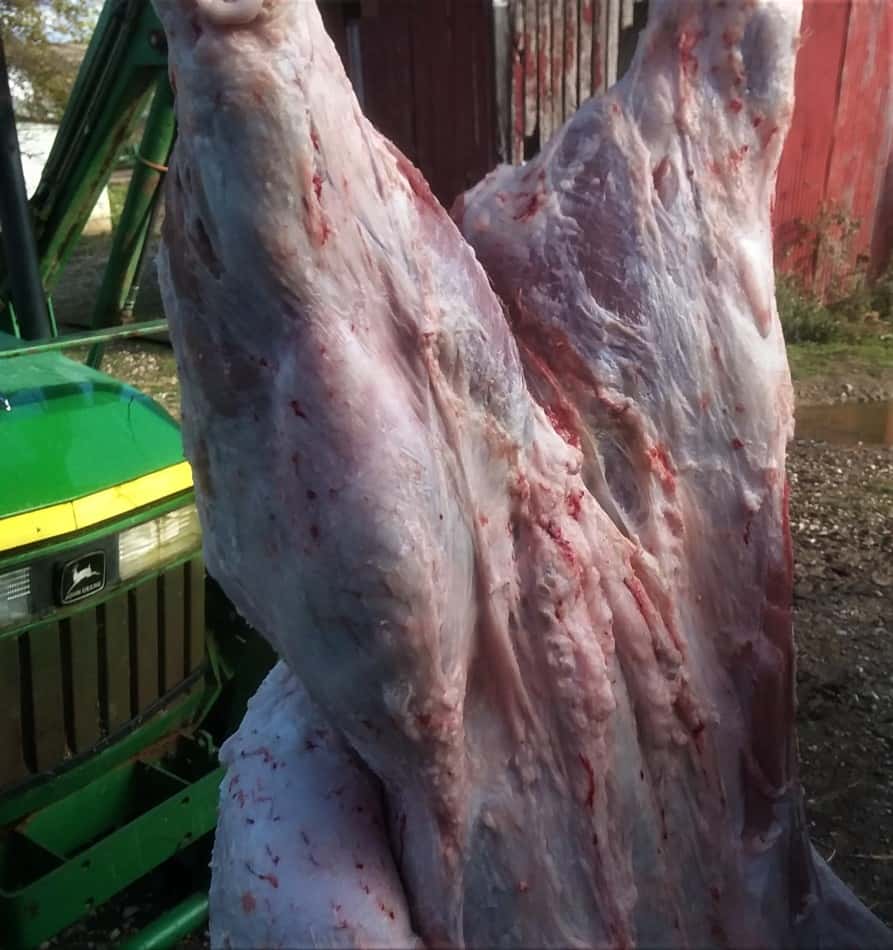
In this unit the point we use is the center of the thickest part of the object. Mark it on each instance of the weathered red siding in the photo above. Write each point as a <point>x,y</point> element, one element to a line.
<point>838,153</point>
<point>458,88</point>
<point>561,53</point>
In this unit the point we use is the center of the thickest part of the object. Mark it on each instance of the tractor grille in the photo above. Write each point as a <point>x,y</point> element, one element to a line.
<point>68,684</point>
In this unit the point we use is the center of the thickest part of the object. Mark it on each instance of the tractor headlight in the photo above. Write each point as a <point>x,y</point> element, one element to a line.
<point>15,596</point>
<point>151,545</point>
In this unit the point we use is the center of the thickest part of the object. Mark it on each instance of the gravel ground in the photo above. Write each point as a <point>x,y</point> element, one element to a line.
<point>842,523</point>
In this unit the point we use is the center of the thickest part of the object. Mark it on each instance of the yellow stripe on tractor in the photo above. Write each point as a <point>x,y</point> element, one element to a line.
<point>44,523</point>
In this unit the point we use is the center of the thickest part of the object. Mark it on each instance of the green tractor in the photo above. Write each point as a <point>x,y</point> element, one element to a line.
<point>122,666</point>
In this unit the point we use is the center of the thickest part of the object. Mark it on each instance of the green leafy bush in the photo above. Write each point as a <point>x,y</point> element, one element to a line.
<point>804,318</point>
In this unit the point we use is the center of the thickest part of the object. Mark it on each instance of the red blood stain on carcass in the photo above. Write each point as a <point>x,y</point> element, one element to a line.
<point>534,202</point>
<point>523,887</point>
<point>586,12</point>
<point>660,172</point>
<point>560,417</point>
<point>574,504</point>
<point>729,39</point>
<point>674,521</point>
<point>662,466</point>
<point>736,105</point>
<point>414,178</point>
<point>314,137</point>
<point>768,135</point>
<point>737,444</point>
<point>317,224</point>
<point>248,903</point>
<point>615,108</point>
<point>554,532</point>
<point>590,774</point>
<point>483,520</point>
<point>756,121</point>
<point>297,410</point>
<point>262,751</point>
<point>317,185</point>
<point>736,157</point>
<point>521,487</point>
<point>687,42</point>
<point>271,879</point>
<point>423,720</point>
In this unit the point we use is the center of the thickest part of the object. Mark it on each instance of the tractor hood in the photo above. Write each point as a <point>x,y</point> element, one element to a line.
<point>68,431</point>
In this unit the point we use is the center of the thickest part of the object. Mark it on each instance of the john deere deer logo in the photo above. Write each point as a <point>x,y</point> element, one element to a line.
<point>82,577</point>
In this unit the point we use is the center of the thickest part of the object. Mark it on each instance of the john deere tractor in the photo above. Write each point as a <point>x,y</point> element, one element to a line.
<point>122,666</point>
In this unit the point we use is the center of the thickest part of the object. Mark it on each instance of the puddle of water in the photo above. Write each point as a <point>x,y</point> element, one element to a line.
<point>847,423</point>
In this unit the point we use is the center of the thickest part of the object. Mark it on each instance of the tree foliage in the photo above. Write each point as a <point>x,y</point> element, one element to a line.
<point>38,36</point>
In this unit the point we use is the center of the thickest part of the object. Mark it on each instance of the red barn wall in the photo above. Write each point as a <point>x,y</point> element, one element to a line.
<point>838,153</point>
<point>458,89</point>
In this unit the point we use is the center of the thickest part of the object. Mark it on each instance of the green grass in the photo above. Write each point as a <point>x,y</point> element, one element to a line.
<point>804,319</point>
<point>873,357</point>
<point>848,316</point>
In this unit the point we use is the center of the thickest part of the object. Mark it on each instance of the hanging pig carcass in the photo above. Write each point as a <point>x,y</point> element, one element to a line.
<point>514,517</point>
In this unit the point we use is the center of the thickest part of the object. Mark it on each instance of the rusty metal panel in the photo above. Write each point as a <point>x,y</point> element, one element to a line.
<point>531,69</point>
<point>84,658</point>
<point>612,41</point>
<point>544,69</point>
<point>45,651</point>
<point>586,18</point>
<point>558,66</point>
<point>115,652</point>
<point>571,60</point>
<point>514,149</point>
<point>12,760</point>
